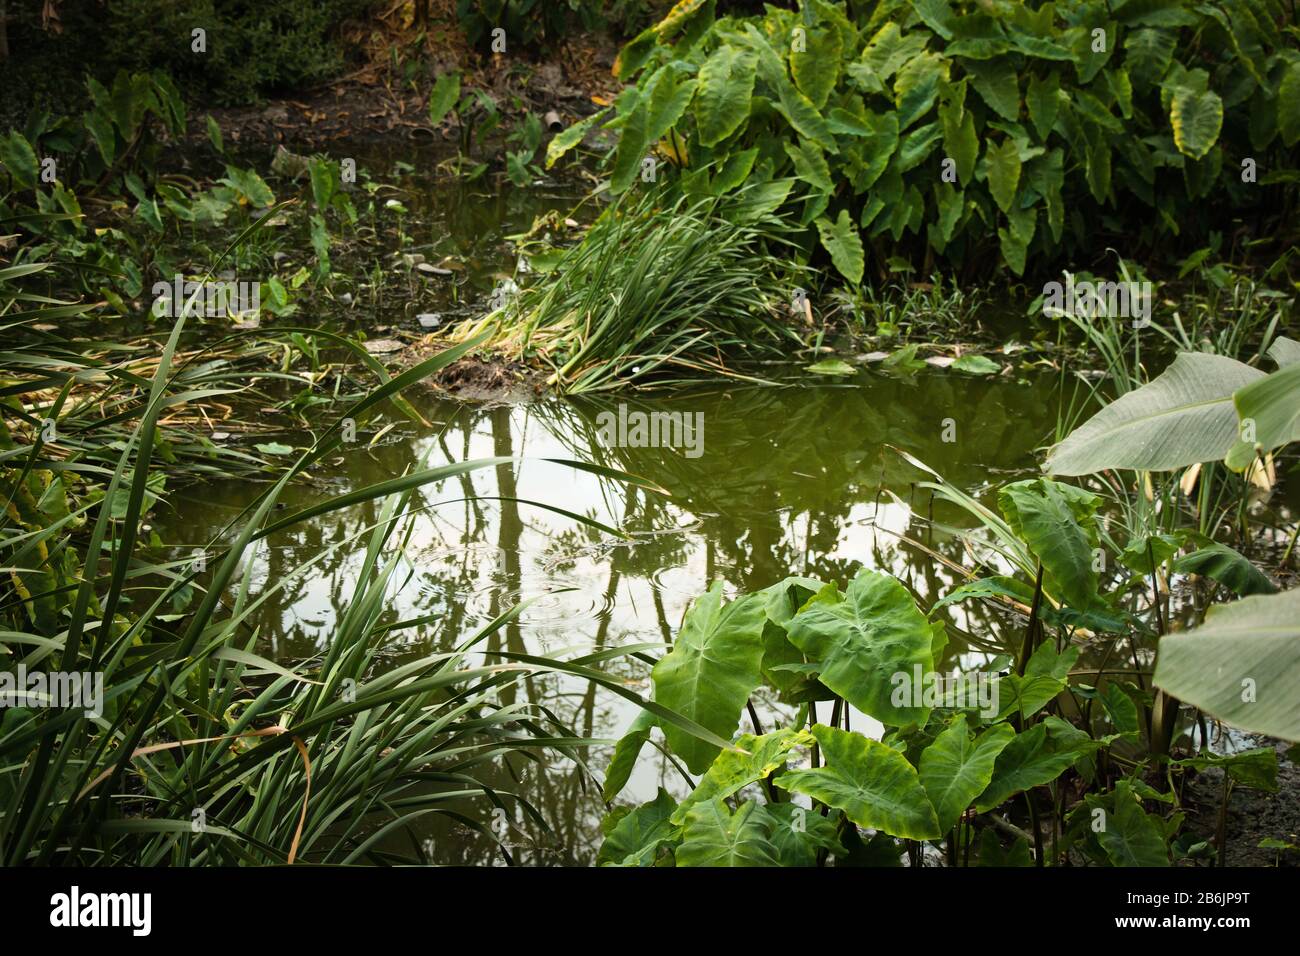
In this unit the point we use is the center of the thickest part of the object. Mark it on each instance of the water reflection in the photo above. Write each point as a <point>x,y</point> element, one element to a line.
<point>790,479</point>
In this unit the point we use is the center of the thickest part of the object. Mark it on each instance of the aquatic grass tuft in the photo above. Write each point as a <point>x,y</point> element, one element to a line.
<point>662,283</point>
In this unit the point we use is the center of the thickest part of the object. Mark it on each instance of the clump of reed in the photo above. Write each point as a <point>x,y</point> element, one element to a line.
<point>663,282</point>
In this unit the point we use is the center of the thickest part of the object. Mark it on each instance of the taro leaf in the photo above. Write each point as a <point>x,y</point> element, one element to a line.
<point>1121,710</point>
<point>810,165</point>
<point>861,642</point>
<point>960,142</point>
<point>669,97</point>
<point>1029,760</point>
<point>636,837</point>
<point>713,836</point>
<point>1043,100</point>
<point>1142,550</point>
<point>726,85</point>
<point>841,240</point>
<point>996,82</point>
<point>992,854</point>
<point>1026,695</point>
<point>976,365</point>
<point>1197,117</point>
<point>889,49</point>
<point>733,172</point>
<point>18,157</point>
<point>782,602</point>
<point>1248,649</point>
<point>991,587</point>
<point>817,66</point>
<point>631,147</point>
<point>570,137</point>
<point>626,752</point>
<point>1288,105</point>
<point>1228,567</point>
<point>956,769</point>
<point>1132,837</point>
<point>732,771</point>
<point>798,834</point>
<point>873,784</point>
<point>831,366</point>
<point>1272,406</point>
<point>443,97</point>
<point>1255,768</point>
<point>712,669</point>
<point>1004,172</point>
<point>917,85</point>
<point>1183,417</point>
<point>1046,662</point>
<point>1058,522</point>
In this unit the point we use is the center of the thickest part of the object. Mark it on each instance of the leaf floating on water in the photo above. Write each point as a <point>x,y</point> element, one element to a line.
<point>976,365</point>
<point>274,448</point>
<point>831,367</point>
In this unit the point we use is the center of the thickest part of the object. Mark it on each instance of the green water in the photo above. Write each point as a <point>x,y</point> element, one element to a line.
<point>798,478</point>
<point>802,478</point>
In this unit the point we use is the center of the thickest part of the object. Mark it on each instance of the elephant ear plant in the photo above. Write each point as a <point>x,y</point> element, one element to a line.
<point>953,750</point>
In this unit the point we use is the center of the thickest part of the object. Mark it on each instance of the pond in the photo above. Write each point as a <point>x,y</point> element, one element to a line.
<point>804,477</point>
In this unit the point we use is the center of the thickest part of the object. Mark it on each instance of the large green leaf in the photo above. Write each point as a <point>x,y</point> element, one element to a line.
<point>1242,665</point>
<point>996,82</point>
<point>18,157</point>
<point>1288,105</point>
<point>626,752</point>
<point>917,86</point>
<point>1031,759</point>
<point>443,97</point>
<point>1058,523</point>
<point>669,94</point>
<point>1130,836</point>
<point>873,784</point>
<point>713,836</point>
<point>1230,568</point>
<point>863,641</point>
<point>817,66</point>
<point>841,240</point>
<point>1004,172</point>
<point>733,770</point>
<point>712,669</point>
<point>1272,406</point>
<point>1197,117</point>
<point>636,836</point>
<point>1182,417</point>
<point>726,85</point>
<point>798,834</point>
<point>957,768</point>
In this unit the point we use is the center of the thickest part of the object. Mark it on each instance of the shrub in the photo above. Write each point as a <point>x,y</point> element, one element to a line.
<point>978,132</point>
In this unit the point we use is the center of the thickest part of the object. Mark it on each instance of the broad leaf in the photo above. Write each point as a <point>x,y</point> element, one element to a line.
<point>1182,417</point>
<point>712,669</point>
<point>1242,665</point>
<point>863,641</point>
<point>873,784</point>
<point>1197,118</point>
<point>1030,760</point>
<point>726,84</point>
<point>1058,522</point>
<point>841,240</point>
<point>733,770</point>
<point>626,752</point>
<point>1230,568</point>
<point>635,839</point>
<point>956,769</point>
<point>713,836</point>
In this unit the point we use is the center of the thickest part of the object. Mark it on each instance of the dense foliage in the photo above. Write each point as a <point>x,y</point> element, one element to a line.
<point>976,131</point>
